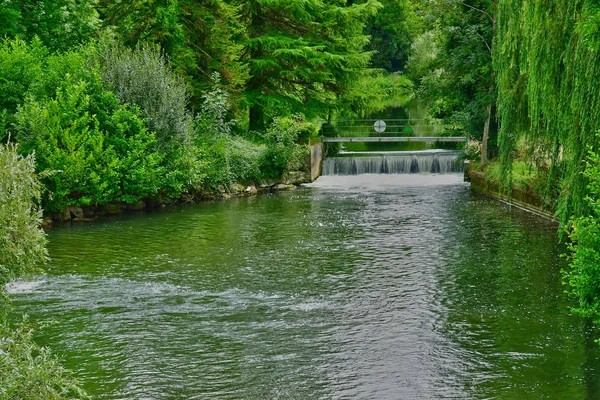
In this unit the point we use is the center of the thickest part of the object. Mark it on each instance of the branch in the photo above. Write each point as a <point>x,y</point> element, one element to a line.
<point>484,41</point>
<point>479,10</point>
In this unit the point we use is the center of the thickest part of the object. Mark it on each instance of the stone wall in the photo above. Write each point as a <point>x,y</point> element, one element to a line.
<point>316,161</point>
<point>529,201</point>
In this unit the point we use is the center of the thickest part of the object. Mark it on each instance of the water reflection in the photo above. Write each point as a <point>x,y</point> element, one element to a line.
<point>371,286</point>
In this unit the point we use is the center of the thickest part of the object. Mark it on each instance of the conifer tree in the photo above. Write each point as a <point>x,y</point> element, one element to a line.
<point>303,54</point>
<point>60,24</point>
<point>198,37</point>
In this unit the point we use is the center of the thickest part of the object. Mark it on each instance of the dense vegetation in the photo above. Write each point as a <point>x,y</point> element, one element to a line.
<point>123,102</point>
<point>26,370</point>
<point>521,78</point>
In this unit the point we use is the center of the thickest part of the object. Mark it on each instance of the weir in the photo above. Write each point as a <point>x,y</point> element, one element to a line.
<point>401,162</point>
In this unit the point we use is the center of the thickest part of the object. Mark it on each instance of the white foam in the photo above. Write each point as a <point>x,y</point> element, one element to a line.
<point>23,286</point>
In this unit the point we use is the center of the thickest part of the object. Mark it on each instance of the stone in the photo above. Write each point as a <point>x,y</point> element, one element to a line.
<point>46,222</point>
<point>76,212</point>
<point>237,188</point>
<point>84,219</point>
<point>251,189</point>
<point>113,209</point>
<point>89,211</point>
<point>283,186</point>
<point>62,216</point>
<point>297,177</point>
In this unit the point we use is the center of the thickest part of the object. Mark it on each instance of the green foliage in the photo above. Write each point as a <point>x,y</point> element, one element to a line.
<point>26,370</point>
<point>22,242</point>
<point>245,160</point>
<point>199,37</point>
<point>392,32</point>
<point>303,55</point>
<point>283,154</point>
<point>374,91</point>
<point>583,276</point>
<point>144,77</point>
<point>460,84</point>
<point>100,149</point>
<point>60,24</point>
<point>423,55</point>
<point>32,372</point>
<point>543,98</point>
<point>20,66</point>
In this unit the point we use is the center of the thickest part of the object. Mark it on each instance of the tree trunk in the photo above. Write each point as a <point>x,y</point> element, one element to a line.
<point>488,117</point>
<point>486,135</point>
<point>256,122</point>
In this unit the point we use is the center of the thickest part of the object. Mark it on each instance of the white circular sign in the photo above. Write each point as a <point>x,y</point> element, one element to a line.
<point>379,126</point>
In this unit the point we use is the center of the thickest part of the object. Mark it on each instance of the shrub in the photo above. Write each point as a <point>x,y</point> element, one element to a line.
<point>101,148</point>
<point>26,370</point>
<point>583,276</point>
<point>144,77</point>
<point>283,154</point>
<point>22,242</point>
<point>20,66</point>
<point>32,372</point>
<point>245,160</point>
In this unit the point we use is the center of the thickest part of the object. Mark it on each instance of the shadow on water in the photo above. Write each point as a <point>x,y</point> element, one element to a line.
<point>369,286</point>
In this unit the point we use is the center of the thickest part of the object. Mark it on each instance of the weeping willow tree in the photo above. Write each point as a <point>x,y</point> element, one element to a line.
<point>547,61</point>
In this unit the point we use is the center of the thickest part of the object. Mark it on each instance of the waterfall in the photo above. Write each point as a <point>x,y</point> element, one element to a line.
<point>425,162</point>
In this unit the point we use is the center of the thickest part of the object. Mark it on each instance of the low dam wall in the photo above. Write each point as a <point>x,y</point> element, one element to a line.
<point>316,161</point>
<point>518,197</point>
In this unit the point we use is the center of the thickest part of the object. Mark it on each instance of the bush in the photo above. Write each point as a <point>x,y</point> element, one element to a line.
<point>20,66</point>
<point>283,154</point>
<point>22,242</point>
<point>26,370</point>
<point>245,160</point>
<point>32,372</point>
<point>583,276</point>
<point>100,149</point>
<point>144,77</point>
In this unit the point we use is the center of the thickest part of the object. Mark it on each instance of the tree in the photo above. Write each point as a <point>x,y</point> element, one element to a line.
<point>198,37</point>
<point>461,88</point>
<point>60,24</point>
<point>303,55</point>
<point>392,32</point>
<point>547,59</point>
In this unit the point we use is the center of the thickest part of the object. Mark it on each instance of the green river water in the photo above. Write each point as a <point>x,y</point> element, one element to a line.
<point>354,287</point>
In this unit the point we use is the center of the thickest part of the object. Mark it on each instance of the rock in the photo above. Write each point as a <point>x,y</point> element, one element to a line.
<point>76,212</point>
<point>113,209</point>
<point>84,219</point>
<point>296,177</point>
<point>62,216</point>
<point>46,222</point>
<point>283,186</point>
<point>251,189</point>
<point>237,188</point>
<point>140,205</point>
<point>187,198</point>
<point>89,211</point>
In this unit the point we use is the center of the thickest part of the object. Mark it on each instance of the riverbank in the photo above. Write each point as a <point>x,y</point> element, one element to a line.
<point>528,200</point>
<point>309,173</point>
<point>76,214</point>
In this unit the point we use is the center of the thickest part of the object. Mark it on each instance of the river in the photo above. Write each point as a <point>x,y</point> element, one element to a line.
<point>361,287</point>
